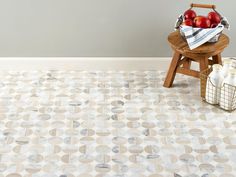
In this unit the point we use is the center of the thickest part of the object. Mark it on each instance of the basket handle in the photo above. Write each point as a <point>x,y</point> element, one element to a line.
<point>207,6</point>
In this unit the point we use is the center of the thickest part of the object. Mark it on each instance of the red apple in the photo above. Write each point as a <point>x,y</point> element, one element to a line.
<point>188,22</point>
<point>199,17</point>
<point>214,17</point>
<point>190,14</point>
<point>202,22</point>
<point>213,25</point>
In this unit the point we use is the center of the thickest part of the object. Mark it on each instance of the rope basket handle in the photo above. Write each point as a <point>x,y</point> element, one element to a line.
<point>206,6</point>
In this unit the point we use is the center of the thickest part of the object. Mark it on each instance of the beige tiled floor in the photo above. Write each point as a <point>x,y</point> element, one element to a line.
<point>111,124</point>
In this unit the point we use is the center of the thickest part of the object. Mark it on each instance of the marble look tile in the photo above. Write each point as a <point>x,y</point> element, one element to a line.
<point>111,124</point>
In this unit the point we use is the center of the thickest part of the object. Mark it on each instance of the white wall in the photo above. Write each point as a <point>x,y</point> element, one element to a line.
<point>94,28</point>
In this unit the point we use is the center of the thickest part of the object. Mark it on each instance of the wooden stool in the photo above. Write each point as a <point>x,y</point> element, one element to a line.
<point>183,56</point>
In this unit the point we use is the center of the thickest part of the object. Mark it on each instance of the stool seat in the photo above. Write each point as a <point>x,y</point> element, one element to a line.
<point>206,54</point>
<point>178,43</point>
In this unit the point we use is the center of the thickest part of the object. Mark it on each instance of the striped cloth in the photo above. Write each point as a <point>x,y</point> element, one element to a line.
<point>198,36</point>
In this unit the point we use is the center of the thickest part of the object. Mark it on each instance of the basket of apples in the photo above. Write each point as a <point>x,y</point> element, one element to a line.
<point>195,27</point>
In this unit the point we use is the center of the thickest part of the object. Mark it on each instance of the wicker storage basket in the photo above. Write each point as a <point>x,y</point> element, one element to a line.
<point>226,90</point>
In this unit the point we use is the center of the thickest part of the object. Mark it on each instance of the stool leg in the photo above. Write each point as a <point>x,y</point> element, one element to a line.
<point>172,70</point>
<point>187,64</point>
<point>203,66</point>
<point>217,59</point>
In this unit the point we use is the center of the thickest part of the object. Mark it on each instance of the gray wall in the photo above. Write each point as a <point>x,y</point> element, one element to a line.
<point>81,28</point>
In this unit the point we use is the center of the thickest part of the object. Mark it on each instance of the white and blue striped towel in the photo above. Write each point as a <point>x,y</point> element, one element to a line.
<point>198,36</point>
